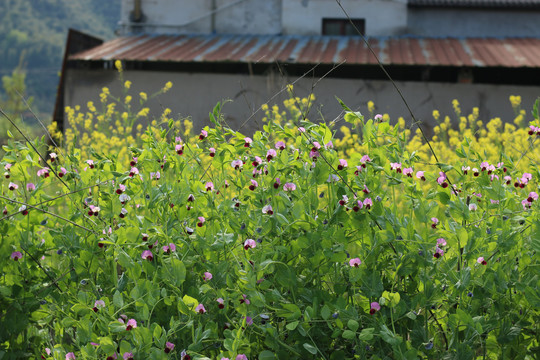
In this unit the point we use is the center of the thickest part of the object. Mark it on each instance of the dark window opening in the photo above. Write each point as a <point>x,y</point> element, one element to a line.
<point>343,27</point>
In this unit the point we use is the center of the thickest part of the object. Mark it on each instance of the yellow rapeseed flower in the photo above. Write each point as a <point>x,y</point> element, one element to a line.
<point>436,114</point>
<point>118,65</point>
<point>370,106</point>
<point>127,84</point>
<point>143,96</point>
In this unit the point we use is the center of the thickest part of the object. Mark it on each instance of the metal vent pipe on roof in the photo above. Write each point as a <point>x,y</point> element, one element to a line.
<point>136,14</point>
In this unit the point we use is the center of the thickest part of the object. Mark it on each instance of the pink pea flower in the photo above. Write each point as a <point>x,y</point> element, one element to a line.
<point>358,206</point>
<point>207,276</point>
<point>532,196</point>
<point>378,117</point>
<point>169,346</point>
<point>8,166</point>
<point>408,171</point>
<point>90,163</point>
<point>442,177</point>
<point>247,142</point>
<point>441,242</point>
<point>16,255</point>
<point>121,189</point>
<point>494,201</point>
<point>395,166</point>
<point>473,207</point>
<point>301,129</point>
<point>201,222</point>
<point>270,154</point>
<point>329,145</point>
<point>179,148</point>
<point>169,248</point>
<point>244,300</point>
<point>99,304</point>
<point>342,164</point>
<point>70,356</point>
<point>484,165</point>
<point>280,145</point>
<point>374,307</point>
<point>490,169</point>
<point>184,355</point>
<point>221,303</point>
<point>123,213</point>
<point>48,351</point>
<point>237,164</point>
<point>134,161</point>
<point>526,204</point>
<point>358,170</point>
<point>62,172</point>
<point>434,221</point>
<point>368,203</point>
<point>365,189</point>
<point>189,230</point>
<point>420,175</point>
<point>30,187</point>
<point>128,356</point>
<point>43,172</point>
<point>253,185</point>
<point>203,135</point>
<point>147,255</point>
<point>438,253</point>
<point>507,179</point>
<point>93,210</point>
<point>249,320</point>
<point>131,324</point>
<point>364,160</point>
<point>481,261</point>
<point>257,161</point>
<point>212,152</point>
<point>241,357</point>
<point>155,175</point>
<point>475,172</point>
<point>355,262</point>
<point>23,210</point>
<point>314,154</point>
<point>344,200</point>
<point>200,309</point>
<point>209,186</point>
<point>289,187</point>
<point>53,156</point>
<point>465,169</point>
<point>250,244</point>
<point>277,183</point>
<point>134,171</point>
<point>267,210</point>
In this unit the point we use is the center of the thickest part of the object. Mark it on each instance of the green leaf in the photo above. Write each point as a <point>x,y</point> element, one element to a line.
<point>366,334</point>
<point>345,107</point>
<point>325,312</point>
<point>353,325</point>
<point>266,355</point>
<point>348,334</point>
<point>292,326</point>
<point>118,300</point>
<point>175,271</point>
<point>389,337</point>
<point>312,349</point>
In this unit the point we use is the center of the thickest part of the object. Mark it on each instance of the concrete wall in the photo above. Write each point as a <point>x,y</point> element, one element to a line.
<point>383,17</point>
<point>249,17</point>
<point>473,22</point>
<point>196,94</point>
<point>167,17</point>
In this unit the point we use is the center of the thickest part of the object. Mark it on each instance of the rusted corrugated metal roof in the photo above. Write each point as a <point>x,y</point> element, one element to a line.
<point>478,52</point>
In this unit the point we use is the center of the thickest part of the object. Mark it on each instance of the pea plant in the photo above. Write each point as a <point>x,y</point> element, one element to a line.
<point>268,247</point>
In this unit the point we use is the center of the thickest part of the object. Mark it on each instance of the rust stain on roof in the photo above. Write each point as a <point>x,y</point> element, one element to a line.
<point>479,52</point>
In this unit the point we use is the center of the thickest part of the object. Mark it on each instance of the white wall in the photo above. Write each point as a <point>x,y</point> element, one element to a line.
<point>383,17</point>
<point>249,17</point>
<point>474,22</point>
<point>196,94</point>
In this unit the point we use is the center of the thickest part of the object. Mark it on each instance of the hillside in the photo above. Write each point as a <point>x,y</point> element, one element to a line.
<point>37,29</point>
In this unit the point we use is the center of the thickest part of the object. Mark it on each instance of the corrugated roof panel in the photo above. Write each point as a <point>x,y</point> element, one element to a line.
<point>482,52</point>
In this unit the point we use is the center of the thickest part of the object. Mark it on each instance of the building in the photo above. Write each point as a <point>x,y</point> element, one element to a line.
<point>478,51</point>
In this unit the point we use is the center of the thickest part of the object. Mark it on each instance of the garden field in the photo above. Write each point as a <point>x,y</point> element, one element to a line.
<point>352,240</point>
